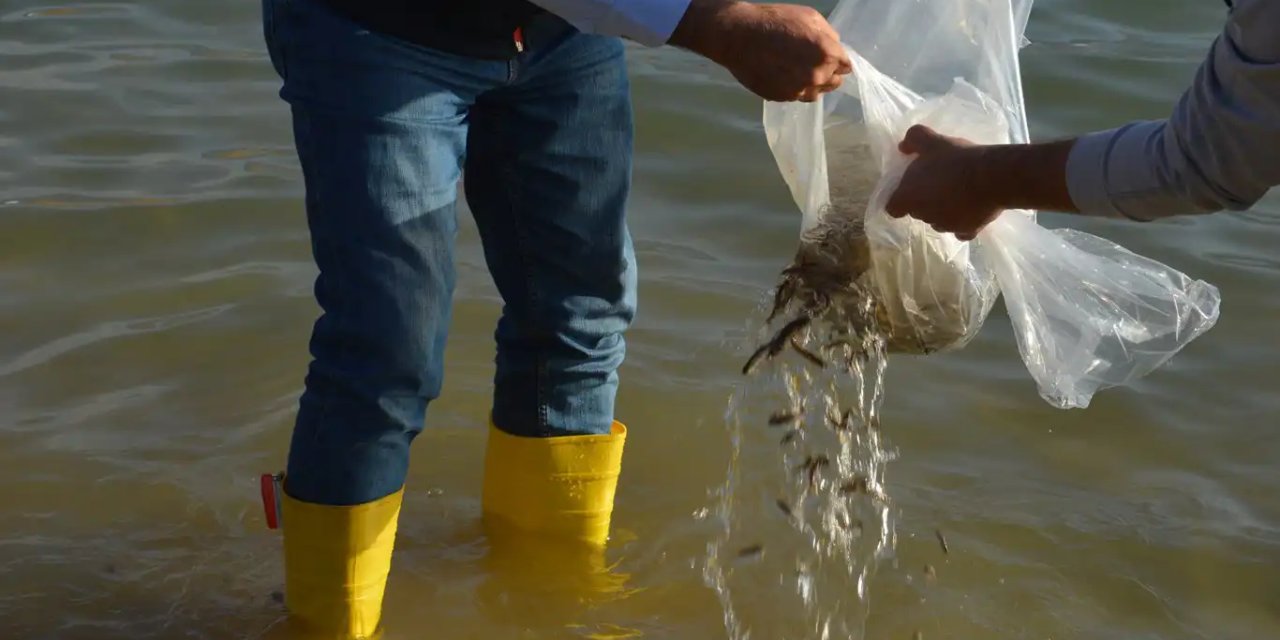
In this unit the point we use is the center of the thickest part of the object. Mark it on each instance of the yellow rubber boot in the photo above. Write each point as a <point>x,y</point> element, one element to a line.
<point>336,562</point>
<point>558,488</point>
<point>547,506</point>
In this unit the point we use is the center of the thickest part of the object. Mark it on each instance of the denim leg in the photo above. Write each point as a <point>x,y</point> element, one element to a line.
<point>380,132</point>
<point>547,177</point>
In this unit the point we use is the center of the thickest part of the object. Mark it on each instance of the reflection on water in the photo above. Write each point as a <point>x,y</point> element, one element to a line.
<point>155,303</point>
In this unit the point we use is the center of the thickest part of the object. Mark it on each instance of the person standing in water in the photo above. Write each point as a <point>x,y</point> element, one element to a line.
<point>1219,150</point>
<point>392,103</point>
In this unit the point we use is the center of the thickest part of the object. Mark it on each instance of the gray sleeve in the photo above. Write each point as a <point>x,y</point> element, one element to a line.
<point>1220,149</point>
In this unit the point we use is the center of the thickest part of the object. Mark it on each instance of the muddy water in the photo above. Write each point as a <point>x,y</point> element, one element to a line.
<point>155,300</point>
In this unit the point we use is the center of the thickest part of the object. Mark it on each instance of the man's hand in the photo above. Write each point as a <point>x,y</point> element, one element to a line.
<point>941,186</point>
<point>780,52</point>
<point>959,187</point>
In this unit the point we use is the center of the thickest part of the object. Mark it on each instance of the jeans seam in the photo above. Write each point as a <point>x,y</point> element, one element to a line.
<point>326,405</point>
<point>521,237</point>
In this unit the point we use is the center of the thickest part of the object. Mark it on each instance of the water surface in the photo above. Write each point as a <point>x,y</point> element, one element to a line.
<point>155,305</point>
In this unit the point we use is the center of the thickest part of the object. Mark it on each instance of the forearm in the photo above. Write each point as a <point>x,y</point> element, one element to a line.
<point>697,31</point>
<point>1032,176</point>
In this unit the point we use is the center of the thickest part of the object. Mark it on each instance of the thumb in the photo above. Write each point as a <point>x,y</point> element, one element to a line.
<point>843,64</point>
<point>919,139</point>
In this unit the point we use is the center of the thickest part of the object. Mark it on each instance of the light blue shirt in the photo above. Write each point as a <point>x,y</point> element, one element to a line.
<point>1219,150</point>
<point>648,22</point>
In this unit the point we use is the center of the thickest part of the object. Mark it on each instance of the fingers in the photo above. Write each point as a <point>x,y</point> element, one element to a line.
<point>812,93</point>
<point>920,139</point>
<point>843,65</point>
<point>899,207</point>
<point>781,52</point>
<point>829,74</point>
<point>830,85</point>
<point>961,235</point>
<point>814,64</point>
<point>837,59</point>
<point>963,232</point>
<point>972,234</point>
<point>895,206</point>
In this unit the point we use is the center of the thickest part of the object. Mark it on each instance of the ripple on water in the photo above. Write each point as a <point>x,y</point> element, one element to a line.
<point>121,143</point>
<point>76,413</point>
<point>50,351</point>
<point>1259,263</point>
<point>147,177</point>
<point>85,11</point>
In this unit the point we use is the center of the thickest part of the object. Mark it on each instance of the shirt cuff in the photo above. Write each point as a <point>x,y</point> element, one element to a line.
<point>1087,173</point>
<point>1117,173</point>
<point>649,23</point>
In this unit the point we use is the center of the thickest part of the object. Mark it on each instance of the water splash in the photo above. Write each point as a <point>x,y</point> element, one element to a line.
<point>810,479</point>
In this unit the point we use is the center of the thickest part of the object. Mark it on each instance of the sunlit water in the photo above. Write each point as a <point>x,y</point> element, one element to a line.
<point>155,301</point>
<point>816,491</point>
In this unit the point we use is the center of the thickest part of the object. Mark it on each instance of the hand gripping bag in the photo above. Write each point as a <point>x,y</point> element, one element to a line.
<point>1087,313</point>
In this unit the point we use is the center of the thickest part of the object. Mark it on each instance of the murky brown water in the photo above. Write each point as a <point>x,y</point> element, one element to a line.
<point>155,301</point>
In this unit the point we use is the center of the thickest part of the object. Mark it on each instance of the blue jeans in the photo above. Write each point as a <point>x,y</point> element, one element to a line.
<point>384,131</point>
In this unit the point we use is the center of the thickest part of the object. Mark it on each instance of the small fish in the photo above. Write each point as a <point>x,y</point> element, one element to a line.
<point>813,462</point>
<point>942,541</point>
<point>856,485</point>
<point>786,508</point>
<point>811,466</point>
<point>751,551</point>
<point>786,417</point>
<point>930,574</point>
<point>846,421</point>
<point>808,355</point>
<point>837,343</point>
<point>789,436</point>
<point>774,346</point>
<point>858,359</point>
<point>790,329</point>
<point>833,417</point>
<point>754,360</point>
<point>783,294</point>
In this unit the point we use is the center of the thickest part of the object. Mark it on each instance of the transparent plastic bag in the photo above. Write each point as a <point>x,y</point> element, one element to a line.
<point>1087,313</point>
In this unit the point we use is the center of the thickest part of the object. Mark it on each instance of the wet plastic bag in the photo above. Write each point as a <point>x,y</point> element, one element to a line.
<point>1087,313</point>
